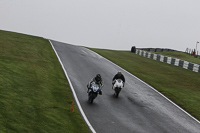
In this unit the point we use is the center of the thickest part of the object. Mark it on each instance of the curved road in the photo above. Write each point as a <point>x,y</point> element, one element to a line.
<point>138,109</point>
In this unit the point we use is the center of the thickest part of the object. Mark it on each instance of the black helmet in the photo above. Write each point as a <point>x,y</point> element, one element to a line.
<point>98,77</point>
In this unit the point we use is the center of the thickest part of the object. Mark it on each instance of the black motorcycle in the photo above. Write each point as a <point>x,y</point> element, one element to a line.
<point>93,92</point>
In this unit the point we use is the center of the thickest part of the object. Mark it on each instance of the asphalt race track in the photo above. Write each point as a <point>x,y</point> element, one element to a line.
<point>138,109</point>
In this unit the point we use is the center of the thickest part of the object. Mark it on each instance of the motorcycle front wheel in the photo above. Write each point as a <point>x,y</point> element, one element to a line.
<point>92,96</point>
<point>117,90</point>
<point>91,99</point>
<point>116,94</point>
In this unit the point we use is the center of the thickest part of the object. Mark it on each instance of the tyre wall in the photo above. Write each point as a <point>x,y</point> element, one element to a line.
<point>170,60</point>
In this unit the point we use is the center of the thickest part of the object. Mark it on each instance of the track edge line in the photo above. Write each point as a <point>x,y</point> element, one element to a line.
<point>73,91</point>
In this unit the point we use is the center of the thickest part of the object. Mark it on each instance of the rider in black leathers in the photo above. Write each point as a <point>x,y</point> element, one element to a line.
<point>119,75</point>
<point>98,80</point>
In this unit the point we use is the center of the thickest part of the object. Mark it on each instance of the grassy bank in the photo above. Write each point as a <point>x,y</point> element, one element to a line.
<point>34,93</point>
<point>180,85</point>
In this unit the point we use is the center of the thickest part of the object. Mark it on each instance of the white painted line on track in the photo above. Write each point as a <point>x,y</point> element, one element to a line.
<point>74,93</point>
<point>152,89</point>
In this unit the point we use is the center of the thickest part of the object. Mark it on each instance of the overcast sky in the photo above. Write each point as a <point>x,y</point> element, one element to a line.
<point>108,24</point>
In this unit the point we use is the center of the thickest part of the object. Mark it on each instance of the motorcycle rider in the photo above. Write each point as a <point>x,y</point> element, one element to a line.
<point>98,80</point>
<point>119,75</point>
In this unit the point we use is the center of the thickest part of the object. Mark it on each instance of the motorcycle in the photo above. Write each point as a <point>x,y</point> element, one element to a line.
<point>117,86</point>
<point>93,92</point>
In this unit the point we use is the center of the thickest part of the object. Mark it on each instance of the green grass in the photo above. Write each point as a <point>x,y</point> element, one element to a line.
<point>181,55</point>
<point>180,85</point>
<point>35,96</point>
<point>34,93</point>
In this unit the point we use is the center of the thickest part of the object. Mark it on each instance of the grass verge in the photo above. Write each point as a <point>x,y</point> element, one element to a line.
<point>180,85</point>
<point>34,94</point>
